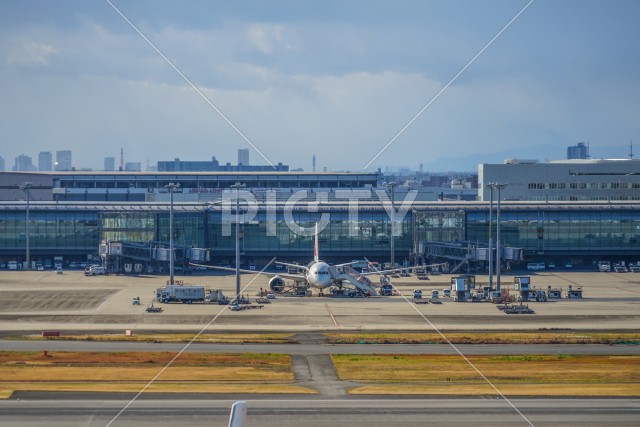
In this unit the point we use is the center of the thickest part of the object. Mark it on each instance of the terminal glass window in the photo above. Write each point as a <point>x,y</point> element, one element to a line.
<point>129,226</point>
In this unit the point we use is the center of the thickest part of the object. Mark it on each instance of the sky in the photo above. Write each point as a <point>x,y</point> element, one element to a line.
<point>336,78</point>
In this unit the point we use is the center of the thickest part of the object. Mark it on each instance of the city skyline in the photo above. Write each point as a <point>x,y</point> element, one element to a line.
<point>337,79</point>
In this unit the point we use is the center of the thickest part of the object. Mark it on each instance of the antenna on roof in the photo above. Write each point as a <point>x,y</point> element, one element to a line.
<point>631,149</point>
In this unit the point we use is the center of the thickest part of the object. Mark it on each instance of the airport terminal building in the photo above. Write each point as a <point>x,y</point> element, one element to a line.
<point>580,232</point>
<point>72,213</point>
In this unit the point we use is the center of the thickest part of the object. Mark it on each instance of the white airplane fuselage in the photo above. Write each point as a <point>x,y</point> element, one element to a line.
<point>319,275</point>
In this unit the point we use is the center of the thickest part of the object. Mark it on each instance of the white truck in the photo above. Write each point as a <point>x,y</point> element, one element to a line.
<point>604,266</point>
<point>95,270</point>
<point>185,294</point>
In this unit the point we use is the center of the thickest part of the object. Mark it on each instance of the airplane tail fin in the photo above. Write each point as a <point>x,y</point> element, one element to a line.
<point>316,256</point>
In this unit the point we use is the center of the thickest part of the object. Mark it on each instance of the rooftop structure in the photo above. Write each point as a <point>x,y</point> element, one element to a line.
<point>214,165</point>
<point>563,180</point>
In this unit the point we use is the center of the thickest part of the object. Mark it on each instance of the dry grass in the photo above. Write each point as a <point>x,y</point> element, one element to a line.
<point>486,338</point>
<point>7,389</point>
<point>204,338</point>
<point>129,372</point>
<point>525,375</point>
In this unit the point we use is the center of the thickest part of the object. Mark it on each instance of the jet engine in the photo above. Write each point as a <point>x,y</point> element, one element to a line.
<point>276,284</point>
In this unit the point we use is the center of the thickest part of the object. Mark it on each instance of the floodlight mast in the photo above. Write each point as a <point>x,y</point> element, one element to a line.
<point>26,187</point>
<point>238,186</point>
<point>172,187</point>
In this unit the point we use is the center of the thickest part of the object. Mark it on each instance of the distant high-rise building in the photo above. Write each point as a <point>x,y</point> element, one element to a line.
<point>109,164</point>
<point>24,164</point>
<point>313,163</point>
<point>2,165</point>
<point>243,157</point>
<point>579,151</point>
<point>132,167</point>
<point>63,160</point>
<point>45,161</point>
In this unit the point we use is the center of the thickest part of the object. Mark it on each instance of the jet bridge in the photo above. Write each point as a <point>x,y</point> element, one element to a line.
<point>349,274</point>
<point>464,252</point>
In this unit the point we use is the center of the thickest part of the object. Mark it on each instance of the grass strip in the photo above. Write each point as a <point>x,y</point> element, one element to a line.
<point>450,374</point>
<point>486,338</point>
<point>130,371</point>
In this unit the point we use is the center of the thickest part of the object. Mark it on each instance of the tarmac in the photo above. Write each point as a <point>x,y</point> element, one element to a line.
<point>43,300</point>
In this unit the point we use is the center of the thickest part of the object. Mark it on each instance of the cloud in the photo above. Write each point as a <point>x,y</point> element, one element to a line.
<point>265,37</point>
<point>339,89</point>
<point>28,53</point>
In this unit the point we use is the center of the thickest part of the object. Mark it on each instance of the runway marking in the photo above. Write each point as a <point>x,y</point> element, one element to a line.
<point>333,319</point>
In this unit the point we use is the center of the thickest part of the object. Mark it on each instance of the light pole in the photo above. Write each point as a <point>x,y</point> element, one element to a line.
<point>238,186</point>
<point>171,187</point>
<point>392,185</point>
<point>26,187</point>
<point>499,187</point>
<point>490,185</point>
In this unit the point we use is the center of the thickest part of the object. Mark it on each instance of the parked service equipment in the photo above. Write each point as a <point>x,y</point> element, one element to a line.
<point>522,284</point>
<point>538,294</point>
<point>461,287</point>
<point>386,290</point>
<point>554,293</point>
<point>574,292</point>
<point>435,297</point>
<point>180,293</point>
<point>516,309</point>
<point>152,309</point>
<point>216,295</point>
<point>417,297</point>
<point>604,266</point>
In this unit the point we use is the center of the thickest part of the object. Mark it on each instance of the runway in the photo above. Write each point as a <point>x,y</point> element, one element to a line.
<point>320,412</point>
<point>317,349</point>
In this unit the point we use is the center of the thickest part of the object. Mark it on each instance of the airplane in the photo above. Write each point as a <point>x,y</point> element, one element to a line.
<point>317,274</point>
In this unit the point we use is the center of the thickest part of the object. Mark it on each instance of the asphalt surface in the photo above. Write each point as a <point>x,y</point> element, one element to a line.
<point>324,349</point>
<point>313,412</point>
<point>35,301</point>
<point>72,302</point>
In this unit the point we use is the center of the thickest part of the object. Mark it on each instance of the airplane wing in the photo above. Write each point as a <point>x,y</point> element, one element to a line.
<point>304,267</point>
<point>283,275</point>
<point>238,416</point>
<point>346,263</point>
<point>393,270</point>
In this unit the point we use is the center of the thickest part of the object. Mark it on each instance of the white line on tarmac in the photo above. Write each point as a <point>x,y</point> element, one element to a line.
<point>333,319</point>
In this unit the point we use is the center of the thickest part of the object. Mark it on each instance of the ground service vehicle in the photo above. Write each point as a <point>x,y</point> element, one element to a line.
<point>95,270</point>
<point>604,266</point>
<point>180,293</point>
